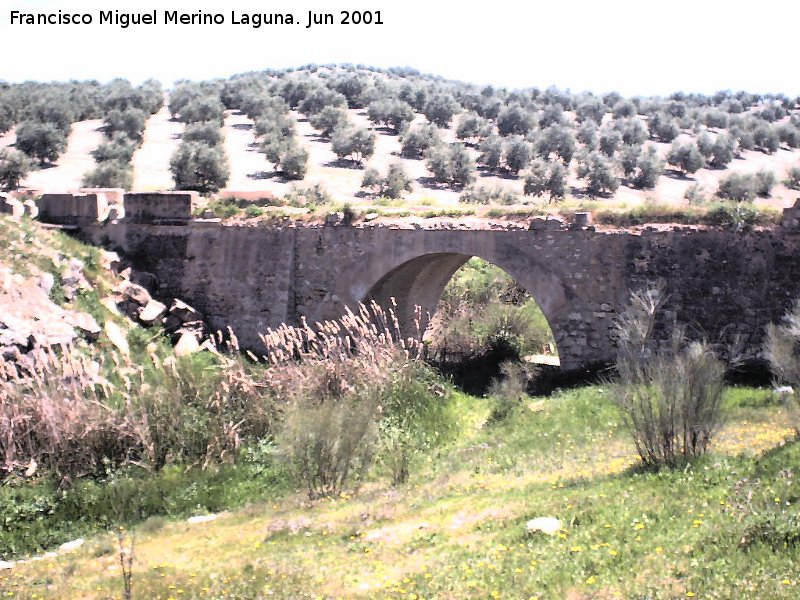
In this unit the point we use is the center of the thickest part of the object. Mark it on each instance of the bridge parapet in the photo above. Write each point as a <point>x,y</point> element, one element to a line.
<point>97,205</point>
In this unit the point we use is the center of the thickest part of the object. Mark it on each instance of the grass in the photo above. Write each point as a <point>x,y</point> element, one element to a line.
<point>458,529</point>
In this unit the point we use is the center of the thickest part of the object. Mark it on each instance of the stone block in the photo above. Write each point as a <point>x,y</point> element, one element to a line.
<point>160,207</point>
<point>72,209</point>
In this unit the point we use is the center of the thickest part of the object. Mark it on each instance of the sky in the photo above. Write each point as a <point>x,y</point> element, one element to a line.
<point>635,47</point>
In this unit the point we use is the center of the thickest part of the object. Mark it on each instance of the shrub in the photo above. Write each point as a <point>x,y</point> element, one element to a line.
<point>416,418</point>
<point>199,167</point>
<point>670,396</point>
<point>110,174</point>
<point>372,179</point>
<point>782,350</point>
<point>312,196</point>
<point>329,438</point>
<point>14,167</point>
<point>738,216</point>
<point>763,183</point>
<point>508,391</point>
<point>484,195</point>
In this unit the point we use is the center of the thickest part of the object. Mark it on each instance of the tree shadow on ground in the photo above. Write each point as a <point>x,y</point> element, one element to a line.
<point>279,176</point>
<point>345,163</point>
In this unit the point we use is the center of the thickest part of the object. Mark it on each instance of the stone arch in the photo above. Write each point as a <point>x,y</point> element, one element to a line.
<point>418,279</point>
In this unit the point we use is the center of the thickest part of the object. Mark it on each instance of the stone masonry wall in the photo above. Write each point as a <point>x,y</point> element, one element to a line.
<point>719,282</point>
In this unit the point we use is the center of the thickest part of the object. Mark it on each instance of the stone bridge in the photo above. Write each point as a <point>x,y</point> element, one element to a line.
<point>722,283</point>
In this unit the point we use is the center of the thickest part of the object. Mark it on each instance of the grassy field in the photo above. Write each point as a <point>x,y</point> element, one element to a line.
<point>723,527</point>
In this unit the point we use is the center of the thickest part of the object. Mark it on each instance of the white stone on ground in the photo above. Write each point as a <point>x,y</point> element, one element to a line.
<point>201,519</point>
<point>70,546</point>
<point>548,525</point>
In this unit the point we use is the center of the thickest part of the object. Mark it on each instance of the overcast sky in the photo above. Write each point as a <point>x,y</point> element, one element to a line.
<point>631,46</point>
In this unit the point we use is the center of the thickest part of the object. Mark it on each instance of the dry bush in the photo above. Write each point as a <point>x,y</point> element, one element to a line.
<point>57,412</point>
<point>335,377</point>
<point>782,350</point>
<point>320,392</point>
<point>54,416</point>
<point>329,429</point>
<point>670,395</point>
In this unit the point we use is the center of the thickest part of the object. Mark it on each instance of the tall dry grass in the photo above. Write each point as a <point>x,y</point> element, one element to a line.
<point>59,414</point>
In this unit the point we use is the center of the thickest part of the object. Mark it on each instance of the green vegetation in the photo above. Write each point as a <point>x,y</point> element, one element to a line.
<point>459,528</point>
<point>429,495</point>
<point>483,309</point>
<point>14,167</point>
<point>198,166</point>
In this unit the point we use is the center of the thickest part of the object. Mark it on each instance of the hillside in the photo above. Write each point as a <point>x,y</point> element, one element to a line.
<point>584,133</point>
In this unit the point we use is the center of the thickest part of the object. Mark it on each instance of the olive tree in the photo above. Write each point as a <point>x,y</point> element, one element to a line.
<point>358,143</point>
<point>200,167</point>
<point>393,185</point>
<point>686,157</point>
<point>452,165</point>
<point>517,154</point>
<point>598,171</point>
<point>14,167</point>
<point>110,174</point>
<point>42,141</point>
<point>546,177</point>
<point>440,109</point>
<point>418,139</point>
<point>515,120</point>
<point>393,113</point>
<point>207,132</point>
<point>202,108</point>
<point>328,120</point>
<point>130,122</point>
